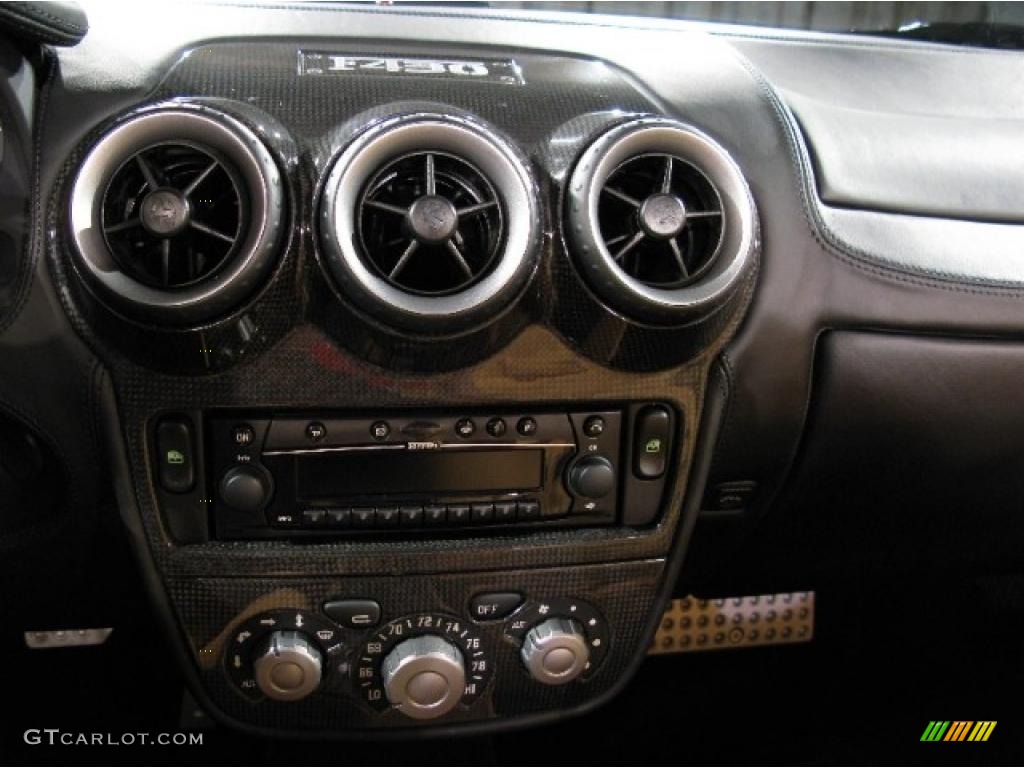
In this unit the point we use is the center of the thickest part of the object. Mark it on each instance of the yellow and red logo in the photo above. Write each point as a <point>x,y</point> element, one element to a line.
<point>958,730</point>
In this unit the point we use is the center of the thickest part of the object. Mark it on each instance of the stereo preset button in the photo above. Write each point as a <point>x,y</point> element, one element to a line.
<point>505,512</point>
<point>354,614</point>
<point>411,516</point>
<point>593,427</point>
<point>435,514</point>
<point>489,606</point>
<point>496,427</point>
<point>315,431</point>
<point>458,514</point>
<point>483,513</point>
<point>314,517</point>
<point>465,428</point>
<point>527,426</point>
<point>339,518</point>
<point>387,517</point>
<point>174,454</point>
<point>363,517</point>
<point>380,430</point>
<point>528,510</point>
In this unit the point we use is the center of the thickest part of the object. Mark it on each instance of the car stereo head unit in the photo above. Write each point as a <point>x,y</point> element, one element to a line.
<point>299,476</point>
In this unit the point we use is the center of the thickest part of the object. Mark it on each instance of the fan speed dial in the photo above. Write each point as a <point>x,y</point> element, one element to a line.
<point>559,640</point>
<point>555,651</point>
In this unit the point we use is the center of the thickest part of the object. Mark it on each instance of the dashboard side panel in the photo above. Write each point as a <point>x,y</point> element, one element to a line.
<point>910,463</point>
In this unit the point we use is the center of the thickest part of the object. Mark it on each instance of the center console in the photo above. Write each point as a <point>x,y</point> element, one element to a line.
<point>404,364</point>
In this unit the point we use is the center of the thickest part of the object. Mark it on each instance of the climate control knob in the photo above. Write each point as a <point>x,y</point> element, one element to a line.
<point>592,477</point>
<point>424,677</point>
<point>289,666</point>
<point>555,651</point>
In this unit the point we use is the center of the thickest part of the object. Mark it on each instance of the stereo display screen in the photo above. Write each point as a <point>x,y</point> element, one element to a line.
<point>357,473</point>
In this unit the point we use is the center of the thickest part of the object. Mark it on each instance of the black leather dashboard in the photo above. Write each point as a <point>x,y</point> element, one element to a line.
<point>888,124</point>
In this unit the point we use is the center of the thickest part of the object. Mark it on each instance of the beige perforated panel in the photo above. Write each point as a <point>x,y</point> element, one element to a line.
<point>695,624</point>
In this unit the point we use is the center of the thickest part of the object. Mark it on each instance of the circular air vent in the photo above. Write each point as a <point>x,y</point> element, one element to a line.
<point>172,214</point>
<point>429,222</point>
<point>176,214</point>
<point>662,221</point>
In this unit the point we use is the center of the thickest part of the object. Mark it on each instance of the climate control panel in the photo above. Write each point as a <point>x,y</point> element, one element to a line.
<point>419,666</point>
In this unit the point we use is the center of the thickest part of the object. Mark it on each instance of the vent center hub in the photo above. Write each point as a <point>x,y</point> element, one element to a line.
<point>432,219</point>
<point>164,212</point>
<point>662,216</point>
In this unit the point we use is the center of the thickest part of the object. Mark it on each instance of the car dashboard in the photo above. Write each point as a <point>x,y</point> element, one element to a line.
<point>422,356</point>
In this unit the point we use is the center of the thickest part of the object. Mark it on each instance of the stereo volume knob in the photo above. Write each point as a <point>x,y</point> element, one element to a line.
<point>555,651</point>
<point>424,677</point>
<point>245,488</point>
<point>289,667</point>
<point>592,477</point>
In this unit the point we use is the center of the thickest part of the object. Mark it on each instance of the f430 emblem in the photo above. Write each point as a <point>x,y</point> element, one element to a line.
<point>488,70</point>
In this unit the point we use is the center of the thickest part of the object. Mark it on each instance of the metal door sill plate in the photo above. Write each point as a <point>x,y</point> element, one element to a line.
<point>66,638</point>
<point>696,624</point>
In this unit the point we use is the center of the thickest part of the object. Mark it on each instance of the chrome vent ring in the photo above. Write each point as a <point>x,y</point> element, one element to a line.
<point>429,223</point>
<point>661,221</point>
<point>176,214</point>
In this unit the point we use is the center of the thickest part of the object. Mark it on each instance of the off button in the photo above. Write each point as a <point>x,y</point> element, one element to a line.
<point>489,606</point>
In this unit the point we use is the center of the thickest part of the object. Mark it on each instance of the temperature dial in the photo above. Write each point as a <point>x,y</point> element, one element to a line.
<point>423,665</point>
<point>424,676</point>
